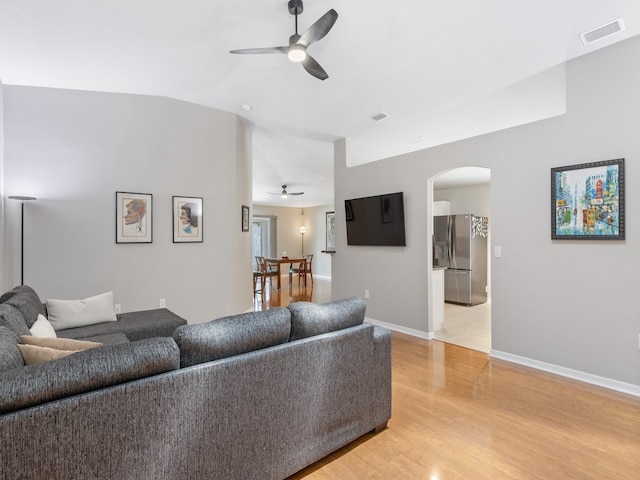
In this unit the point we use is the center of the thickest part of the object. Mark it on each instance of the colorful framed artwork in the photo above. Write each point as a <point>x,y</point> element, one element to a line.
<point>245,218</point>
<point>187,219</point>
<point>587,201</point>
<point>330,229</point>
<point>134,217</point>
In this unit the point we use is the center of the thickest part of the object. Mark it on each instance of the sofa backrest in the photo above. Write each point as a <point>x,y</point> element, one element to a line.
<point>309,319</point>
<point>10,356</point>
<point>24,299</point>
<point>86,371</point>
<point>233,335</point>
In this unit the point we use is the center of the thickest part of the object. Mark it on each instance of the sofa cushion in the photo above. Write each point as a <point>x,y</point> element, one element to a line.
<point>26,301</point>
<point>79,313</point>
<point>11,318</point>
<point>42,328</point>
<point>308,319</point>
<point>234,335</point>
<point>159,322</point>
<point>86,371</point>
<point>10,356</point>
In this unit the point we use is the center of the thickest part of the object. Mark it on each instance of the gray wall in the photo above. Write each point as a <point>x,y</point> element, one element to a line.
<point>73,150</point>
<point>566,303</point>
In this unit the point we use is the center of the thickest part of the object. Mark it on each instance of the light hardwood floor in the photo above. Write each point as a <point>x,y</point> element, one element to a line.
<point>458,414</point>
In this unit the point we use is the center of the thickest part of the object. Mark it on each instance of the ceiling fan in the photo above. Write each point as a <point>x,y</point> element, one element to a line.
<point>285,194</point>
<point>297,49</point>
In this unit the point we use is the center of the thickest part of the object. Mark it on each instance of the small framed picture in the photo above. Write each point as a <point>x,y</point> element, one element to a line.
<point>245,218</point>
<point>330,222</point>
<point>187,219</point>
<point>134,214</point>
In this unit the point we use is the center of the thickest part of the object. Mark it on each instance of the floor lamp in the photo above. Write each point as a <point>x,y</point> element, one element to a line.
<point>22,200</point>
<point>303,230</point>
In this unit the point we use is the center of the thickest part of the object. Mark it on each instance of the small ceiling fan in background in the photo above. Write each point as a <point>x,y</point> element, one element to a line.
<point>297,49</point>
<point>284,193</point>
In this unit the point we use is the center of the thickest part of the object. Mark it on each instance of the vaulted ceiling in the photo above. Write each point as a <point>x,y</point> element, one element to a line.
<point>441,71</point>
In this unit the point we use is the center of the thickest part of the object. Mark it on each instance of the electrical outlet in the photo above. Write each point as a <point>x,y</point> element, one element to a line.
<point>366,294</point>
<point>163,303</point>
<point>117,308</point>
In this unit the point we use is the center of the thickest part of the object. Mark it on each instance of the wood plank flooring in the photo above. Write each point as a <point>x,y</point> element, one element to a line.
<point>458,414</point>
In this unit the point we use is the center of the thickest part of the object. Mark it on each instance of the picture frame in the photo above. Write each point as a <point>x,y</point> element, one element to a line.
<point>245,218</point>
<point>134,217</point>
<point>587,201</point>
<point>187,219</point>
<point>330,221</point>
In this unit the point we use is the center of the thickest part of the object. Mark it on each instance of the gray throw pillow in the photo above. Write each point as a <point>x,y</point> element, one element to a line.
<point>309,319</point>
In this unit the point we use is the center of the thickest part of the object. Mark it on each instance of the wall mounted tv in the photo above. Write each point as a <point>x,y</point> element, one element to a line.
<point>377,220</point>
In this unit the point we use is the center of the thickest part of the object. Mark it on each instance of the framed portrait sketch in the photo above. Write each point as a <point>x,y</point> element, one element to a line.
<point>587,201</point>
<point>187,219</point>
<point>134,214</point>
<point>330,218</point>
<point>245,218</point>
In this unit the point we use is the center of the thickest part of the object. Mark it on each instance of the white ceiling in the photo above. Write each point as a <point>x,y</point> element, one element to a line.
<point>442,71</point>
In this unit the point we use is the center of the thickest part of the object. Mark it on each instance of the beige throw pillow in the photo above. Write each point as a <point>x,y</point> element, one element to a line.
<point>43,349</point>
<point>33,354</point>
<point>59,343</point>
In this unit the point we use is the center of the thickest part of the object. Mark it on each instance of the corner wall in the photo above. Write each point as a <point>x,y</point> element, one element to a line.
<point>565,303</point>
<point>73,150</point>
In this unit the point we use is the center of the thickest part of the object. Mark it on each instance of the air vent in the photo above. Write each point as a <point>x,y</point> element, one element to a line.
<point>379,116</point>
<point>602,31</point>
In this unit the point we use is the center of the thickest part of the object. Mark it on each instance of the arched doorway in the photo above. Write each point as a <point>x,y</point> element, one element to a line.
<point>460,242</point>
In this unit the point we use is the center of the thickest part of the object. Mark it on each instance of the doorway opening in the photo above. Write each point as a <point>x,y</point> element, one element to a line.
<point>264,234</point>
<point>460,262</point>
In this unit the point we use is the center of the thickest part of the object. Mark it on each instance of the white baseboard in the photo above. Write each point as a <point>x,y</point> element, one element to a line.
<point>604,382</point>
<point>401,329</point>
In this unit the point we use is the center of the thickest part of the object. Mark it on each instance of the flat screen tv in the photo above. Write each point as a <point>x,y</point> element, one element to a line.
<point>377,220</point>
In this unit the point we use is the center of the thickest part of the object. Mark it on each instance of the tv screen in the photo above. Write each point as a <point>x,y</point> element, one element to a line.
<point>377,220</point>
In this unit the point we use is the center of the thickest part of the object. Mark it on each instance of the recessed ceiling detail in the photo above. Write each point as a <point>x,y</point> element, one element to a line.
<point>602,31</point>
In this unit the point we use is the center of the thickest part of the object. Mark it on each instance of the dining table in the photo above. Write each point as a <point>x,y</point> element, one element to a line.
<point>280,261</point>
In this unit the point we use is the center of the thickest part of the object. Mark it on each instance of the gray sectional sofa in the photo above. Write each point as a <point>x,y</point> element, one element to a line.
<point>259,395</point>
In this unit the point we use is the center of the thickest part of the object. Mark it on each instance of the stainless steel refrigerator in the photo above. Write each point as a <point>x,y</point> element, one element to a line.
<point>460,245</point>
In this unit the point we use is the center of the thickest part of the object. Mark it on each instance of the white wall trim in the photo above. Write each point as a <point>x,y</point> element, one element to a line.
<point>399,328</point>
<point>604,382</point>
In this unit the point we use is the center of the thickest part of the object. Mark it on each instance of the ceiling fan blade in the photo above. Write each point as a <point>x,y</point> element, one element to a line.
<point>296,193</point>
<point>318,30</point>
<point>261,50</point>
<point>314,68</point>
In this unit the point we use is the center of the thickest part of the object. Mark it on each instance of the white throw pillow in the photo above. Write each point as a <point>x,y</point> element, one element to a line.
<point>79,313</point>
<point>42,328</point>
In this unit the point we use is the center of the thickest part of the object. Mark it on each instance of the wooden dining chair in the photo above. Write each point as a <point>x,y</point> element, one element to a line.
<point>302,270</point>
<point>266,270</point>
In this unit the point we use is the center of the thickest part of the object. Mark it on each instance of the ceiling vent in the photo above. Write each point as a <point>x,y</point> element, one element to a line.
<point>602,31</point>
<point>379,116</point>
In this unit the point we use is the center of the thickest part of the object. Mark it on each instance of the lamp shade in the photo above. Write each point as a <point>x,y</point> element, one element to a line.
<point>303,229</point>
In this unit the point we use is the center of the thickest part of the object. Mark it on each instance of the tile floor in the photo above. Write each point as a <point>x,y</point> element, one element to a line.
<point>467,326</point>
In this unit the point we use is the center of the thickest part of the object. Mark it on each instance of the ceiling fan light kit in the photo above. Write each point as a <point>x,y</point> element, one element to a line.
<point>285,194</point>
<point>297,49</point>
